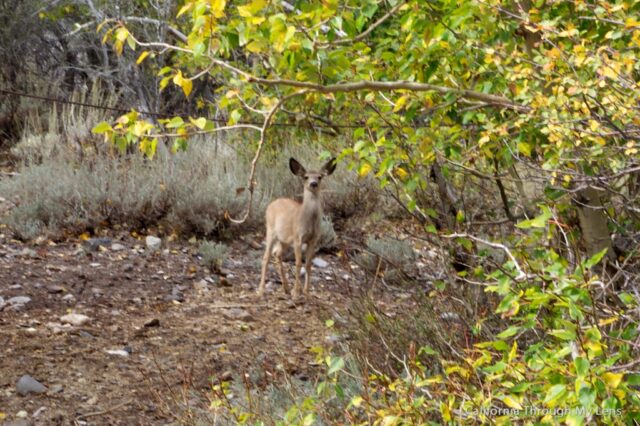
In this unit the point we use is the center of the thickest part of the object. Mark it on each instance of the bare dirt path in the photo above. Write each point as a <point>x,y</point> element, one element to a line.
<point>157,322</point>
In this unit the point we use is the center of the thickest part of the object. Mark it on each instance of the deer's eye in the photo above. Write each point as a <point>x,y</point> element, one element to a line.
<point>306,177</point>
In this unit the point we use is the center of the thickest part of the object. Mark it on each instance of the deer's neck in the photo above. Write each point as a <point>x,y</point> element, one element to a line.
<point>311,212</point>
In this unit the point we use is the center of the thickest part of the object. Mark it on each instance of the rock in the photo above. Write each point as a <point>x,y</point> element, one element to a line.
<point>153,243</point>
<point>117,247</point>
<point>18,422</point>
<point>94,244</point>
<point>332,339</point>
<point>320,263</point>
<point>27,384</point>
<point>238,314</point>
<point>75,319</point>
<point>174,297</point>
<point>117,352</point>
<point>153,323</point>
<point>201,285</point>
<point>55,289</point>
<point>56,389</point>
<point>87,335</point>
<point>128,267</point>
<point>69,297</point>
<point>19,300</point>
<point>2,303</point>
<point>58,328</point>
<point>27,252</point>
<point>224,282</point>
<point>22,414</point>
<point>39,411</point>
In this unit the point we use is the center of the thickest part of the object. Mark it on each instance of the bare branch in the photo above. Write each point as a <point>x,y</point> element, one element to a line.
<point>521,274</point>
<point>366,32</point>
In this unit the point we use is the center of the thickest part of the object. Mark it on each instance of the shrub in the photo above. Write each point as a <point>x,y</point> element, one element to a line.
<point>213,254</point>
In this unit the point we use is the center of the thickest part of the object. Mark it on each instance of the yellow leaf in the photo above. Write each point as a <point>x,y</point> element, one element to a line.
<point>184,9</point>
<point>610,73</point>
<point>524,148</point>
<point>2,415</point>
<point>217,8</point>
<point>84,236</point>
<point>187,86</point>
<point>511,402</point>
<point>364,169</point>
<point>200,123</point>
<point>356,401</point>
<point>612,379</point>
<point>402,173</point>
<point>142,56</point>
<point>254,47</point>
<point>122,34</point>
<point>400,103</point>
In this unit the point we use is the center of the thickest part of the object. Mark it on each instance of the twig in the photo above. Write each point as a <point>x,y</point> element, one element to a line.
<point>521,275</point>
<point>101,412</point>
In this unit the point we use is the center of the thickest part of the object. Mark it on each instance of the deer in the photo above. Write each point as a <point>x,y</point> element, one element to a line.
<point>291,223</point>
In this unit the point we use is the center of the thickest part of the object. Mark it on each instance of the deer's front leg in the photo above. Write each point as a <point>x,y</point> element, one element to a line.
<point>311,248</point>
<point>297,248</point>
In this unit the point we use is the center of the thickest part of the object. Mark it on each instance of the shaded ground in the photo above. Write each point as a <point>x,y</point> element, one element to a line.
<point>155,306</point>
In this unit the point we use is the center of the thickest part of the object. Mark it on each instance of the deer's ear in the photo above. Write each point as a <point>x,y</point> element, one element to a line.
<point>329,167</point>
<point>296,168</point>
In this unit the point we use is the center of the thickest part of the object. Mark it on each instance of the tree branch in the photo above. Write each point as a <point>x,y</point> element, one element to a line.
<point>366,32</point>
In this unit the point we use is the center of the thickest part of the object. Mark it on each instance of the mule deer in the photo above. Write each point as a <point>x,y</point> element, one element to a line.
<point>290,223</point>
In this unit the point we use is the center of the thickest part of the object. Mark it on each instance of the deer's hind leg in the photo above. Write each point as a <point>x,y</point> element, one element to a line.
<point>265,262</point>
<point>278,252</point>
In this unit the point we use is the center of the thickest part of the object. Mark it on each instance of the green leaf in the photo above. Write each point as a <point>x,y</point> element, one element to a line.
<point>511,331</point>
<point>563,334</point>
<point>596,258</point>
<point>537,222</point>
<point>102,127</point>
<point>175,122</point>
<point>555,394</point>
<point>582,366</point>
<point>335,365</point>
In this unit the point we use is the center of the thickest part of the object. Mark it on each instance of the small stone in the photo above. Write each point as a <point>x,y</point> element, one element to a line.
<point>39,411</point>
<point>237,314</point>
<point>75,319</point>
<point>69,297</point>
<point>28,384</point>
<point>56,389</point>
<point>201,285</point>
<point>27,252</point>
<point>19,300</point>
<point>127,267</point>
<point>153,323</point>
<point>153,243</point>
<point>224,282</point>
<point>55,289</point>
<point>58,328</point>
<point>320,263</point>
<point>87,334</point>
<point>94,244</point>
<point>22,414</point>
<point>117,247</point>
<point>117,352</point>
<point>2,302</point>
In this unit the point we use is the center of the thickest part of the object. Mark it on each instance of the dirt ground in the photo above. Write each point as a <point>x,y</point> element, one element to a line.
<point>168,322</point>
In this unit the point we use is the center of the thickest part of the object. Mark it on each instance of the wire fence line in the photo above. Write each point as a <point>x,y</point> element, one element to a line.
<point>168,115</point>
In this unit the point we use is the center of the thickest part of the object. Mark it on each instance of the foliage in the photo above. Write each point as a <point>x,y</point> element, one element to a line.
<point>465,92</point>
<point>213,254</point>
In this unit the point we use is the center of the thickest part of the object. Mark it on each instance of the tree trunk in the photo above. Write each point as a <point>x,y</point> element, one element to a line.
<point>593,222</point>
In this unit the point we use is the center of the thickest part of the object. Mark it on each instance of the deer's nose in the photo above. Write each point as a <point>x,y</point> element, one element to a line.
<point>313,184</point>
